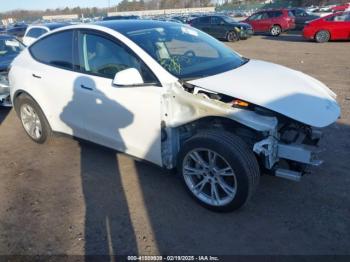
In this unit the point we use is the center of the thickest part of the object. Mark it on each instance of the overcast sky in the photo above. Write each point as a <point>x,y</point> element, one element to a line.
<point>6,5</point>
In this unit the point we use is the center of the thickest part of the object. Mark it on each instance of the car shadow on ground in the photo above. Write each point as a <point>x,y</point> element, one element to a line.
<point>180,225</point>
<point>287,38</point>
<point>4,111</point>
<point>133,207</point>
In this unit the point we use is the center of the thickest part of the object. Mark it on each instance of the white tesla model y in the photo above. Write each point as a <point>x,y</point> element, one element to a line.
<point>174,96</point>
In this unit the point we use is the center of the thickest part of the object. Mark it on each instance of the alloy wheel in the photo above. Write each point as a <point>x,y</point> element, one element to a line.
<point>275,30</point>
<point>209,177</point>
<point>31,121</point>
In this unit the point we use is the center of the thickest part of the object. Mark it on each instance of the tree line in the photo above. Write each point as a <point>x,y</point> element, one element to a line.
<point>136,5</point>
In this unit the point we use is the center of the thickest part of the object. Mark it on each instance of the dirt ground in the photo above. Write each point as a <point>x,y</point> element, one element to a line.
<point>71,197</point>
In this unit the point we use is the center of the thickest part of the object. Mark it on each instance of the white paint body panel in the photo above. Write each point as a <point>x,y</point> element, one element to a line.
<point>278,88</point>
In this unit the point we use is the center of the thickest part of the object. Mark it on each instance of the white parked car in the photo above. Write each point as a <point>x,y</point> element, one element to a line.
<point>33,32</point>
<point>176,97</point>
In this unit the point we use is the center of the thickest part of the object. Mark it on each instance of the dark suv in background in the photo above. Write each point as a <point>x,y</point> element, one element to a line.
<point>223,27</point>
<point>272,21</point>
<point>302,17</point>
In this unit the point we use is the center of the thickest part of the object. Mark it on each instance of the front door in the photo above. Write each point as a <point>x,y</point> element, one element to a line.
<point>125,118</point>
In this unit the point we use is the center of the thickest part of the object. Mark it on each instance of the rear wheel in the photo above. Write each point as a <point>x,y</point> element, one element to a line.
<point>32,119</point>
<point>275,30</point>
<point>219,170</point>
<point>322,36</point>
<point>232,36</point>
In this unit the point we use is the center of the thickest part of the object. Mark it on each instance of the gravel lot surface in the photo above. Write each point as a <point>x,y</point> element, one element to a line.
<point>73,197</point>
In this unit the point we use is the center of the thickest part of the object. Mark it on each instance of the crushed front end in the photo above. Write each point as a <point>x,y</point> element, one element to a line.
<point>289,151</point>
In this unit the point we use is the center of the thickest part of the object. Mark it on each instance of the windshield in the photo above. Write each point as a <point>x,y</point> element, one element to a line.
<point>184,51</point>
<point>10,46</point>
<point>229,19</point>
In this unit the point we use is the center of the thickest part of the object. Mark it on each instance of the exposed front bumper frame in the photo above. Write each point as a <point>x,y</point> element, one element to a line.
<point>272,151</point>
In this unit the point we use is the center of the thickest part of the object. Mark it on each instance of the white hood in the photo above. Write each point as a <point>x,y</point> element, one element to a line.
<point>278,88</point>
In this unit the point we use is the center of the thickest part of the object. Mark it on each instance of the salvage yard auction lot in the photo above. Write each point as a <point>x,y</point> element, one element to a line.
<point>73,197</point>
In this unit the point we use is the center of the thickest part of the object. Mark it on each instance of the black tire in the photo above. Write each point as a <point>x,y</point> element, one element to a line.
<point>275,30</point>
<point>232,36</point>
<point>237,154</point>
<point>322,36</point>
<point>46,132</point>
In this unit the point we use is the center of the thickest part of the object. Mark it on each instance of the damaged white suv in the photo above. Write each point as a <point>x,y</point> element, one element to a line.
<point>176,97</point>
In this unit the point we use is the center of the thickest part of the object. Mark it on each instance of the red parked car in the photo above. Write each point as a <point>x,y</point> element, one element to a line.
<point>272,21</point>
<point>331,27</point>
<point>340,7</point>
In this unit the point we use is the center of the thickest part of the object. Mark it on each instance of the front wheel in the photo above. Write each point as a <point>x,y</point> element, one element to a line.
<point>275,30</point>
<point>322,36</point>
<point>219,170</point>
<point>232,36</point>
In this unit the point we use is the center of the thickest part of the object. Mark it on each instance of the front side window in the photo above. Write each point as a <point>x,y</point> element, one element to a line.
<point>36,32</point>
<point>55,50</point>
<point>340,17</point>
<point>298,12</point>
<point>274,14</point>
<point>216,20</point>
<point>259,16</point>
<point>103,57</point>
<point>255,17</point>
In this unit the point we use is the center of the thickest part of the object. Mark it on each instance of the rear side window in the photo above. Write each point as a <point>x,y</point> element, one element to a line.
<point>36,32</point>
<point>274,14</point>
<point>55,50</point>
<point>204,20</point>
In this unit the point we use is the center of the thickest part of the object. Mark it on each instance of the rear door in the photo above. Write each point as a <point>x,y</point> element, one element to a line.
<point>204,24</point>
<point>126,118</point>
<point>217,28</point>
<point>52,82</point>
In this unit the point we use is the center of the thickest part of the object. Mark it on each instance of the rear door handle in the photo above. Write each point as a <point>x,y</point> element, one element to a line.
<point>86,87</point>
<point>36,76</point>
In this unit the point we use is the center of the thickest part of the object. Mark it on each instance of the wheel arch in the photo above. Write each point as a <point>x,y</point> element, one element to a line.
<point>20,92</point>
<point>232,29</point>
<point>220,123</point>
<point>176,137</point>
<point>276,24</point>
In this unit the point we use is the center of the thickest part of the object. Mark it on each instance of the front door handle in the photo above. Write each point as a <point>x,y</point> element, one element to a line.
<point>36,76</point>
<point>86,87</point>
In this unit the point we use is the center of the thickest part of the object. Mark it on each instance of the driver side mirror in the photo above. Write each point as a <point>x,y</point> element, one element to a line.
<point>128,77</point>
